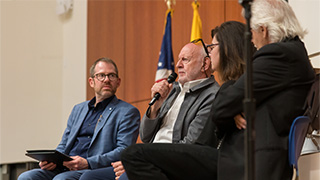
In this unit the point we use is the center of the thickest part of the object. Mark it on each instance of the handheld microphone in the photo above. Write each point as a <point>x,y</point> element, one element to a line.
<point>170,79</point>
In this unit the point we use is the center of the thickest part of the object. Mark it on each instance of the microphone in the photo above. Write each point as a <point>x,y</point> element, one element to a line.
<point>170,79</point>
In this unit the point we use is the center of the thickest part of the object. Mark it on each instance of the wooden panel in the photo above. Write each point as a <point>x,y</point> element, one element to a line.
<point>130,32</point>
<point>233,11</point>
<point>106,30</point>
<point>211,14</point>
<point>144,31</point>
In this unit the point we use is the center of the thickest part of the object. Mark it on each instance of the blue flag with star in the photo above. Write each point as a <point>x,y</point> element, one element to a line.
<point>166,62</point>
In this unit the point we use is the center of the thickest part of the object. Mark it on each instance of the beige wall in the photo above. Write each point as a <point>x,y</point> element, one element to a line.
<point>43,57</point>
<point>308,13</point>
<point>309,166</point>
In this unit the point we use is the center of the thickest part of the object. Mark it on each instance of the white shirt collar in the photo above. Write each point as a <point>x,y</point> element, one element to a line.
<point>190,84</point>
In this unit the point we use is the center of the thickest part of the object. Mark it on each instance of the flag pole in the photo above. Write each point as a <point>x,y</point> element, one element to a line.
<point>169,3</point>
<point>166,62</point>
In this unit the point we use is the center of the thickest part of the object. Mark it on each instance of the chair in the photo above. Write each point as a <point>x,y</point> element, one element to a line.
<point>297,136</point>
<point>312,110</point>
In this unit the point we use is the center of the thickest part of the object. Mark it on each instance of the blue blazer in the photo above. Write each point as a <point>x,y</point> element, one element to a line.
<point>117,129</point>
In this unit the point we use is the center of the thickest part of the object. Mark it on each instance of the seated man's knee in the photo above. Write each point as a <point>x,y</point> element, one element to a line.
<point>61,176</point>
<point>70,175</point>
<point>36,174</point>
<point>24,176</point>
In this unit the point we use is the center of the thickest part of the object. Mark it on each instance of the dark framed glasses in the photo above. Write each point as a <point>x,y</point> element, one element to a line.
<point>211,46</point>
<point>101,77</point>
<point>204,46</point>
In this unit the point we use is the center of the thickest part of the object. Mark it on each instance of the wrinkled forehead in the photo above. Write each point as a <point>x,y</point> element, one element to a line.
<point>188,50</point>
<point>105,66</point>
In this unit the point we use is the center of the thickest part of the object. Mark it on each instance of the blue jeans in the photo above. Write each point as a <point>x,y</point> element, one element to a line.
<point>39,174</point>
<point>124,176</point>
<point>99,174</point>
<point>102,174</point>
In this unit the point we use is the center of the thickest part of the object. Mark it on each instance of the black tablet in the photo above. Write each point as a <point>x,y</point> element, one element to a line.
<point>48,155</point>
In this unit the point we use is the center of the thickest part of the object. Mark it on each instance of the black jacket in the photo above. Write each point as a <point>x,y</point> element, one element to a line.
<point>282,76</point>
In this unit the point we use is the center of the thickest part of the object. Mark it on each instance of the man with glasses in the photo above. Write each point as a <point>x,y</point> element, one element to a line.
<point>97,130</point>
<point>181,112</point>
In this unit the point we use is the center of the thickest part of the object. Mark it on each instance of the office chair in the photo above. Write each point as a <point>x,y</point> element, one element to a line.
<point>297,136</point>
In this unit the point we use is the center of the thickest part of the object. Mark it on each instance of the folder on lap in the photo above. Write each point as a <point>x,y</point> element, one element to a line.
<point>48,155</point>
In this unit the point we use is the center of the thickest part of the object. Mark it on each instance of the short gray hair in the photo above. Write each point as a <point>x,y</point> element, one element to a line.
<point>104,59</point>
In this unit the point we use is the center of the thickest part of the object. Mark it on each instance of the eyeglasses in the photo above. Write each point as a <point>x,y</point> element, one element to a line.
<point>204,46</point>
<point>101,77</point>
<point>211,46</point>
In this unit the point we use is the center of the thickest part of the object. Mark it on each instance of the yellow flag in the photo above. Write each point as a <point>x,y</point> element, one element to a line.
<point>196,30</point>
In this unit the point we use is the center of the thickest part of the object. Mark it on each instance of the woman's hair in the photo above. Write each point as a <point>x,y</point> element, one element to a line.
<point>230,36</point>
<point>103,59</point>
<point>278,17</point>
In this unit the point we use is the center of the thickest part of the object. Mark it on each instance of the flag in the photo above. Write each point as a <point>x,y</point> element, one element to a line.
<point>166,62</point>
<point>196,30</point>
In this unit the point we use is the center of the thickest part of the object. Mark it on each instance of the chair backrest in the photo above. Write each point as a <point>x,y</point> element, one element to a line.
<point>312,105</point>
<point>297,136</point>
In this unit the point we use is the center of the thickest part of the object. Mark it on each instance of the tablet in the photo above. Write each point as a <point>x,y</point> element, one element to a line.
<point>48,155</point>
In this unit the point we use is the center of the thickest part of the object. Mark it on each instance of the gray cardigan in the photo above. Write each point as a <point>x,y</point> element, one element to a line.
<point>192,117</point>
